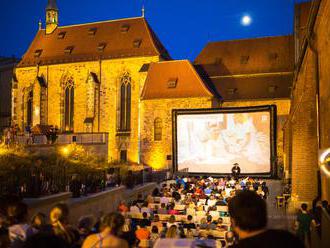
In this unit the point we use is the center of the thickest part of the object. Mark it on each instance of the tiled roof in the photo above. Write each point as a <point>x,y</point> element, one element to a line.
<point>129,37</point>
<point>174,79</point>
<point>268,54</point>
<point>250,68</point>
<point>252,88</point>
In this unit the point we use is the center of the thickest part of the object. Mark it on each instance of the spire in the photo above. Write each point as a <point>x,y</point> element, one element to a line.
<point>51,5</point>
<point>143,10</point>
<point>51,16</point>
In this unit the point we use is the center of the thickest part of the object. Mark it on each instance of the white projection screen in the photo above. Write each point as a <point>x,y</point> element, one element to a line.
<point>210,141</point>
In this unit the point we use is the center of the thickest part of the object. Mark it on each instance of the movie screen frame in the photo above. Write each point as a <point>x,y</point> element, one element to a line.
<point>229,110</point>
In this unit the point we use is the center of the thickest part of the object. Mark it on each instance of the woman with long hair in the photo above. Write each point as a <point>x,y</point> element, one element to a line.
<point>59,224</point>
<point>111,226</point>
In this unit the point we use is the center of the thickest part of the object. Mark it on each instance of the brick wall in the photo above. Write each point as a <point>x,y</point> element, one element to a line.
<point>301,136</point>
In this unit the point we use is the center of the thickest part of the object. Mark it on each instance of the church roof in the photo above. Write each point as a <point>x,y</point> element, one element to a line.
<point>121,38</point>
<point>175,79</point>
<point>250,68</point>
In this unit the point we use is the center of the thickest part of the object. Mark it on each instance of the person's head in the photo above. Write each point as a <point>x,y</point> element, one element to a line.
<point>163,205</point>
<point>144,215</point>
<point>156,218</point>
<point>17,213</point>
<point>209,218</point>
<point>248,212</point>
<point>325,204</point>
<point>304,207</point>
<point>113,221</point>
<point>86,223</point>
<point>59,213</point>
<point>38,220</point>
<point>229,237</point>
<point>172,232</point>
<point>172,219</point>
<point>189,218</point>
<point>154,229</point>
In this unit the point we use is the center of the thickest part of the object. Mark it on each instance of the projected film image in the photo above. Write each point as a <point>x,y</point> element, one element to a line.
<point>212,143</point>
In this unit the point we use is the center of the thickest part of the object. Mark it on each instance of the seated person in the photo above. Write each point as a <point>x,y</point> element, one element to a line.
<point>142,233</point>
<point>248,213</point>
<point>156,222</point>
<point>134,208</point>
<point>145,221</point>
<point>189,223</point>
<point>172,211</point>
<point>162,209</point>
<point>171,222</point>
<point>145,208</point>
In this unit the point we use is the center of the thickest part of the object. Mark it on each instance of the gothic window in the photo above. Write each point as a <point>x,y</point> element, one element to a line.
<point>68,104</point>
<point>158,129</point>
<point>125,103</point>
<point>29,109</point>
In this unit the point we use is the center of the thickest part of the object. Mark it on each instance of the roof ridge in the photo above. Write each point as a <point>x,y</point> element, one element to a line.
<point>250,38</point>
<point>98,22</point>
<point>200,79</point>
<point>173,60</point>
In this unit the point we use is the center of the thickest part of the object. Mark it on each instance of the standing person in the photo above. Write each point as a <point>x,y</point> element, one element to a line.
<point>303,223</point>
<point>236,171</point>
<point>111,226</point>
<point>248,213</point>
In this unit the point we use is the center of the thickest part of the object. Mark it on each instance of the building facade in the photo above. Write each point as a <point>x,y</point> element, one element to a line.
<point>307,128</point>
<point>117,77</point>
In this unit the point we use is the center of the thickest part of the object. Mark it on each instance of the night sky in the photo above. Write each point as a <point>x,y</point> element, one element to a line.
<point>183,26</point>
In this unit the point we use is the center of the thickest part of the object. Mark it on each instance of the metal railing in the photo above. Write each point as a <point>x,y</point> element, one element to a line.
<point>79,138</point>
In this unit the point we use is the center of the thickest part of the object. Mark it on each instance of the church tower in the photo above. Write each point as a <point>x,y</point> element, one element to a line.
<point>51,16</point>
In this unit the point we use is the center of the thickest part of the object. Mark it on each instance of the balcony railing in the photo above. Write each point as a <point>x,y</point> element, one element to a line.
<point>79,138</point>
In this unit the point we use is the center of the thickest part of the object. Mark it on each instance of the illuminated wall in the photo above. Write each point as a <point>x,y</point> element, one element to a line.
<point>108,73</point>
<point>155,153</point>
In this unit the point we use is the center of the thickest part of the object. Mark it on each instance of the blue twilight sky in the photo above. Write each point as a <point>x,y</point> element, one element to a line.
<point>183,26</point>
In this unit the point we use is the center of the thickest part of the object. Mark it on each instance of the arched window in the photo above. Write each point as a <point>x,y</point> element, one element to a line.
<point>29,109</point>
<point>125,103</point>
<point>68,104</point>
<point>158,129</point>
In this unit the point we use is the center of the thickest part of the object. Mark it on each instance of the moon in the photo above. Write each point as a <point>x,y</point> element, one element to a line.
<point>246,20</point>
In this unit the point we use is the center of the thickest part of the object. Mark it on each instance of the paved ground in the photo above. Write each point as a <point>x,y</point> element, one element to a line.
<point>278,218</point>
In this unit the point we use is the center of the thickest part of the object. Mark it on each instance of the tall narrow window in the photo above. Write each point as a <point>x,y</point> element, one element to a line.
<point>125,103</point>
<point>29,109</point>
<point>158,129</point>
<point>68,105</point>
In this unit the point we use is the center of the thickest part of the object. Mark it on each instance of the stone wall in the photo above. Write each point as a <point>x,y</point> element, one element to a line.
<point>96,204</point>
<point>154,153</point>
<point>108,73</point>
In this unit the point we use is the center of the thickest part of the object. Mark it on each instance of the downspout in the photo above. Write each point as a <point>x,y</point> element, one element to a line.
<point>317,79</point>
<point>99,98</point>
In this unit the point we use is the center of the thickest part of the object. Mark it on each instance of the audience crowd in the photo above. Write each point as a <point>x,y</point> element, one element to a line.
<point>209,212</point>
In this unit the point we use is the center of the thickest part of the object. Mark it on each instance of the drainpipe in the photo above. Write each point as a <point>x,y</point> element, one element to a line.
<point>99,98</point>
<point>317,79</point>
